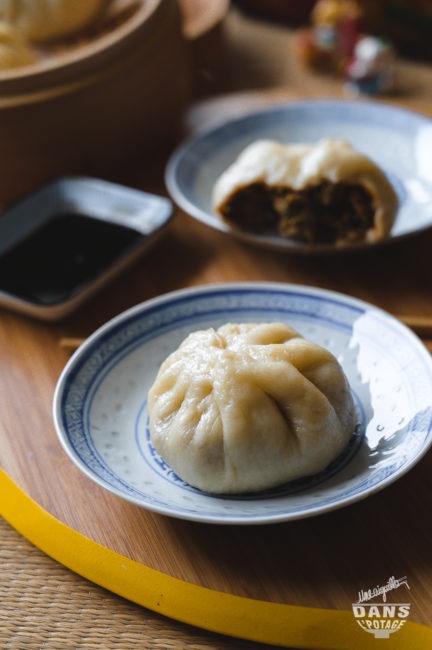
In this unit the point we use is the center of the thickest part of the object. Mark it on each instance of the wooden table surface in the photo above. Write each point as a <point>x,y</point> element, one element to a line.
<point>322,562</point>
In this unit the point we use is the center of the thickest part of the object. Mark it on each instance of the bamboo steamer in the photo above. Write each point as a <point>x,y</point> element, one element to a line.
<point>91,109</point>
<point>203,30</point>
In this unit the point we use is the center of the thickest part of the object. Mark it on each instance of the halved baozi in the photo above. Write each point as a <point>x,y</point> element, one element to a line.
<point>248,407</point>
<point>322,193</point>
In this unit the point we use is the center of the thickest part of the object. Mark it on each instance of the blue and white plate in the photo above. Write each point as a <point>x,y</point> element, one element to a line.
<point>100,403</point>
<point>398,140</point>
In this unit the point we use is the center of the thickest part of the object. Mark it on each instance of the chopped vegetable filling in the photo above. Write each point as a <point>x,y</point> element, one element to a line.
<point>323,213</point>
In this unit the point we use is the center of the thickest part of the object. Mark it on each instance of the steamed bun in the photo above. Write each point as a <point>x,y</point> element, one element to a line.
<point>324,192</point>
<point>248,407</point>
<point>41,20</point>
<point>14,50</point>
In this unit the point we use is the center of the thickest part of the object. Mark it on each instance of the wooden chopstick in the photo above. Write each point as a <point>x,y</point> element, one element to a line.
<point>70,343</point>
<point>421,325</point>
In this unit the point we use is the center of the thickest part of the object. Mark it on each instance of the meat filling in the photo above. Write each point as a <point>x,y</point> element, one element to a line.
<point>325,213</point>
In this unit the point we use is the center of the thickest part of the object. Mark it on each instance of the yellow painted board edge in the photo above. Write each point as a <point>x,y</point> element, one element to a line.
<point>289,626</point>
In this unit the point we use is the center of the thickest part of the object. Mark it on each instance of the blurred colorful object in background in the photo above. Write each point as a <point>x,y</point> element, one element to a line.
<point>371,70</point>
<point>406,23</point>
<point>329,43</point>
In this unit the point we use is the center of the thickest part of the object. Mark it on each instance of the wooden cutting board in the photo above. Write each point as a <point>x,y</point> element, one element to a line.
<point>289,584</point>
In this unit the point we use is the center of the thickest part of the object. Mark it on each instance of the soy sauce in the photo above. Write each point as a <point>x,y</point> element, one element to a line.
<point>62,256</point>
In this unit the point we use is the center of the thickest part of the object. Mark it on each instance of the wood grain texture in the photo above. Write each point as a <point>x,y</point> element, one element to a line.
<point>320,562</point>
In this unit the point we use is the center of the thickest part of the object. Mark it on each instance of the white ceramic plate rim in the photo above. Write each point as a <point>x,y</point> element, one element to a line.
<point>268,241</point>
<point>91,344</point>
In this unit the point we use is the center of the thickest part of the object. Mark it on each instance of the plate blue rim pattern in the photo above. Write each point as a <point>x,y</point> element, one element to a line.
<point>130,330</point>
